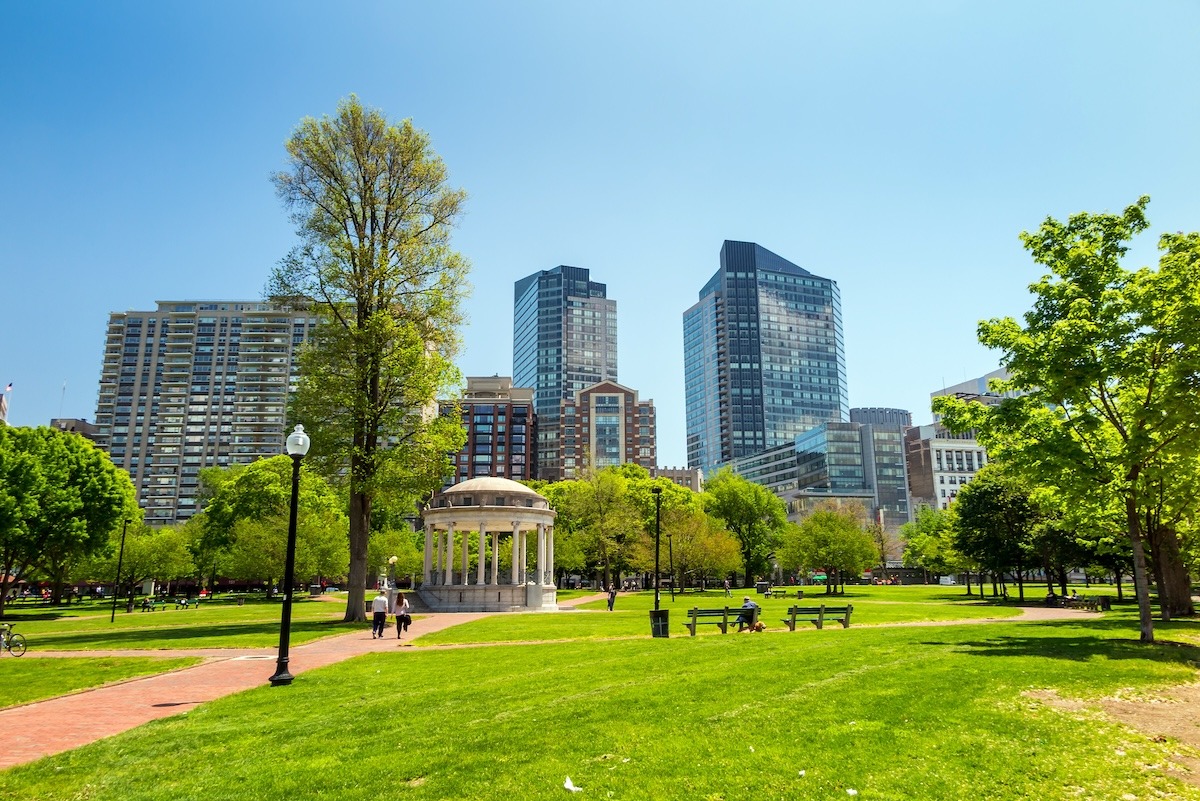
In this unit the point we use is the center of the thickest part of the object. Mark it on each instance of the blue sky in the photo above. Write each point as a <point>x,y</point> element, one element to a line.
<point>897,148</point>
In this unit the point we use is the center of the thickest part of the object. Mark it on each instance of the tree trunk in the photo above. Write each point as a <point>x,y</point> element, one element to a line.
<point>1175,585</point>
<point>360,532</point>
<point>1140,583</point>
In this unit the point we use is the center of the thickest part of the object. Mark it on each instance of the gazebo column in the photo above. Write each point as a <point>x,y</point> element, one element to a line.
<point>524,553</point>
<point>495,558</point>
<point>516,548</point>
<point>448,553</point>
<point>482,553</point>
<point>541,554</point>
<point>427,573</point>
<point>437,565</point>
<point>465,557</point>
<point>550,555</point>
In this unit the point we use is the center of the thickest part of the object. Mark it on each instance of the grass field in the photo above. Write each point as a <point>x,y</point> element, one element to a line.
<point>896,713</point>
<point>27,680</point>
<point>211,625</point>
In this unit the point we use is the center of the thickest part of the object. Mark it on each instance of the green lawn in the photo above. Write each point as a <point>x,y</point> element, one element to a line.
<point>27,680</point>
<point>211,625</point>
<point>892,713</point>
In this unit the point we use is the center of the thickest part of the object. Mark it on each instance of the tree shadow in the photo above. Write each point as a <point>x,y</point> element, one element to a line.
<point>1079,648</point>
<point>184,635</point>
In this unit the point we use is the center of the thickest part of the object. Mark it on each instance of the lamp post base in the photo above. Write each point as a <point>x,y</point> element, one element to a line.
<point>281,677</point>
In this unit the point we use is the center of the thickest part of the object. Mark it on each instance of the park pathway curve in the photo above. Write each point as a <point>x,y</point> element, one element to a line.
<point>59,724</point>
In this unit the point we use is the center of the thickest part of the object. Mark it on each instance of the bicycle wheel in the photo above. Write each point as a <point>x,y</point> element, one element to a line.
<point>16,644</point>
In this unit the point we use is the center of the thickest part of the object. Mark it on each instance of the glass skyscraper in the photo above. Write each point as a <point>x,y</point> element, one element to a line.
<point>564,339</point>
<point>764,357</point>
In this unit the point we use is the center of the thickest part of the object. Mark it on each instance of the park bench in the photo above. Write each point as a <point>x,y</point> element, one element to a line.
<point>184,603</point>
<point>782,592</point>
<point>724,617</point>
<point>817,615</point>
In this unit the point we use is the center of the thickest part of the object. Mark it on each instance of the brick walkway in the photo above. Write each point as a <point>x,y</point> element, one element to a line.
<point>60,724</point>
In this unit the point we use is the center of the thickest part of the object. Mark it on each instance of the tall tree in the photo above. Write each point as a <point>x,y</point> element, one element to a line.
<point>995,524</point>
<point>752,512</point>
<point>374,211</point>
<point>1108,358</point>
<point>832,538</point>
<point>21,484</point>
<point>929,543</point>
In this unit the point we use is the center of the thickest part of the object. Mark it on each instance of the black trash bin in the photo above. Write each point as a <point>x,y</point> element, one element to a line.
<point>761,587</point>
<point>1105,603</point>
<point>659,622</point>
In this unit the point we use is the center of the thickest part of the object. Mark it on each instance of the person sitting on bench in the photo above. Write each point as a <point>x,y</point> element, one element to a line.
<point>747,618</point>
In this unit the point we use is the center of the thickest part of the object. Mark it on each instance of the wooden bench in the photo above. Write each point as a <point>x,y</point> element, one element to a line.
<point>782,592</point>
<point>184,603</point>
<point>724,617</point>
<point>817,615</point>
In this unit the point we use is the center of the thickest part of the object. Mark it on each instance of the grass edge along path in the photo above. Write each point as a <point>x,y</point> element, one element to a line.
<point>891,713</point>
<point>26,681</point>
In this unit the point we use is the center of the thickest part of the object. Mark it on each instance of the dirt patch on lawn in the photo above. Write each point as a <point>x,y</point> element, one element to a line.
<point>1173,713</point>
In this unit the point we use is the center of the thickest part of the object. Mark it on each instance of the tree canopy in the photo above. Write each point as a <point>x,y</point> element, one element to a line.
<point>1107,359</point>
<point>374,212</point>
<point>751,512</point>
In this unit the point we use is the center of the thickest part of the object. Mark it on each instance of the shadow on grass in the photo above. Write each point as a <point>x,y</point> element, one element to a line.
<point>1080,648</point>
<point>186,635</point>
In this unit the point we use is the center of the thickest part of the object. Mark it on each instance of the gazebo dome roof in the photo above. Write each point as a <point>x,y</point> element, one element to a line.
<point>491,485</point>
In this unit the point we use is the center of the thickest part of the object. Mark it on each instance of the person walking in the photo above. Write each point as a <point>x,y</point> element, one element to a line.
<point>612,596</point>
<point>379,611</point>
<point>728,594</point>
<point>403,616</point>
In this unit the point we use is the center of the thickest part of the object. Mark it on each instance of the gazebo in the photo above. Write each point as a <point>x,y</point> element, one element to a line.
<point>493,508</point>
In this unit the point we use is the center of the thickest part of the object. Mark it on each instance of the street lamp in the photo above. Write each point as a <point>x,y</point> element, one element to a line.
<point>392,571</point>
<point>297,446</point>
<point>117,581</point>
<point>657,531</point>
<point>671,565</point>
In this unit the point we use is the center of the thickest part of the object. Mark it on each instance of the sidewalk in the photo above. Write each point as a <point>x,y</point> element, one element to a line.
<point>60,724</point>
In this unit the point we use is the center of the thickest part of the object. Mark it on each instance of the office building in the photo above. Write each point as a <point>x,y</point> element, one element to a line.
<point>839,461</point>
<point>501,431</point>
<point>195,384</point>
<point>564,340</point>
<point>764,359</point>
<point>605,425</point>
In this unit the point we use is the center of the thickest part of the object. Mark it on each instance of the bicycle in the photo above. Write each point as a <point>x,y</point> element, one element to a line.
<point>13,643</point>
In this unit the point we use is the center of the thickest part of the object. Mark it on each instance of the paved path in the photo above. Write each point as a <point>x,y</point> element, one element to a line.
<point>60,724</point>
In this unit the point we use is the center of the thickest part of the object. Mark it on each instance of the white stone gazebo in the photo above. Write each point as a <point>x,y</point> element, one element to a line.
<point>496,508</point>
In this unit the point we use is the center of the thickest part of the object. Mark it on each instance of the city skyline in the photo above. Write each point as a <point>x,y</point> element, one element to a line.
<point>897,151</point>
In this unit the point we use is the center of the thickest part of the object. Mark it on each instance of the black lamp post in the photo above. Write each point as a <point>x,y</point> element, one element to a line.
<point>671,565</point>
<point>297,446</point>
<point>657,531</point>
<point>117,581</point>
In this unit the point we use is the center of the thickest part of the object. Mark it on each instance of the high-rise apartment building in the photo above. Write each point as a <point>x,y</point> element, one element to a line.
<point>501,431</point>
<point>564,339</point>
<point>764,359</point>
<point>195,384</point>
<point>605,425</point>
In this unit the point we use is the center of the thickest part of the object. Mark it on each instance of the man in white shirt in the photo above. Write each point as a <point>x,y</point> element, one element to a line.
<point>379,610</point>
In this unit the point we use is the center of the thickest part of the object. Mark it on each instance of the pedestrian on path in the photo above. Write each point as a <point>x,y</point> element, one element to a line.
<point>728,594</point>
<point>403,618</point>
<point>379,608</point>
<point>612,596</point>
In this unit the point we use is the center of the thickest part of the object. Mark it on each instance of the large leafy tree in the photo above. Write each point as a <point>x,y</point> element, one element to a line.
<point>65,508</point>
<point>374,213</point>
<point>1109,359</point>
<point>754,515</point>
<point>700,546</point>
<point>996,521</point>
<point>150,553</point>
<point>929,544</point>
<point>249,510</point>
<point>831,538</point>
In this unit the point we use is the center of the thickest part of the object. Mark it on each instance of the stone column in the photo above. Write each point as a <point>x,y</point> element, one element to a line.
<point>482,553</point>
<point>524,554</point>
<point>449,552</point>
<point>516,548</point>
<point>465,556</point>
<point>437,567</point>
<point>541,554</point>
<point>550,554</point>
<point>427,575</point>
<point>495,558</point>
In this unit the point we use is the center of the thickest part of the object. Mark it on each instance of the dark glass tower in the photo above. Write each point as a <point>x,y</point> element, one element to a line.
<point>564,339</point>
<point>764,358</point>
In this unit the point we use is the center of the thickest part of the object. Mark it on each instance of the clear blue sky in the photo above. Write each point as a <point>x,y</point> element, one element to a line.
<point>897,148</point>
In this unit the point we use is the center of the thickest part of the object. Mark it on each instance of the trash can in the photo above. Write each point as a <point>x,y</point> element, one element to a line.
<point>314,589</point>
<point>761,587</point>
<point>1105,603</point>
<point>659,622</point>
<point>241,601</point>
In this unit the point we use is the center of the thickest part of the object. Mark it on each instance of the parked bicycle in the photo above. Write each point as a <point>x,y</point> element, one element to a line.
<point>13,643</point>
